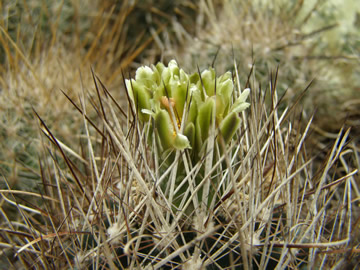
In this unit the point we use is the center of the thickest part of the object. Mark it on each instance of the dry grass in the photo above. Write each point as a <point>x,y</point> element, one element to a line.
<point>43,58</point>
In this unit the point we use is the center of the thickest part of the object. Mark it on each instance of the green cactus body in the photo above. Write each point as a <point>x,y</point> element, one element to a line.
<point>183,107</point>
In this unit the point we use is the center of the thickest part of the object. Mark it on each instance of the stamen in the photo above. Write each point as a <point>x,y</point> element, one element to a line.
<point>165,103</point>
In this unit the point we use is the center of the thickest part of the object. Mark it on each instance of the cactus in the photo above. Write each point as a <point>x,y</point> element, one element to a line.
<point>191,176</point>
<point>249,199</point>
<point>180,110</point>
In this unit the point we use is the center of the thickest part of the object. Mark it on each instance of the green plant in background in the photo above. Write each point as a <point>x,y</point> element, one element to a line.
<point>185,112</point>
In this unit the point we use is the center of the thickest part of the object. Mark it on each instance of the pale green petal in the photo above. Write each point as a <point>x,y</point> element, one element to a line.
<point>225,77</point>
<point>240,107</point>
<point>179,95</point>
<point>158,92</point>
<point>172,63</point>
<point>189,132</point>
<point>196,94</point>
<point>240,104</point>
<point>208,80</point>
<point>184,78</point>
<point>194,78</point>
<point>157,75</point>
<point>165,76</point>
<point>174,68</point>
<point>229,126</point>
<point>193,110</point>
<point>181,142</point>
<point>165,129</point>
<point>244,95</point>
<point>145,75</point>
<point>149,112</point>
<point>223,97</point>
<point>225,90</point>
<point>203,120</point>
<point>141,100</point>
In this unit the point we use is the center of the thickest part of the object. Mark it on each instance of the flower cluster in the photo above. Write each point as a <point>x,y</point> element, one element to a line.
<point>184,106</point>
